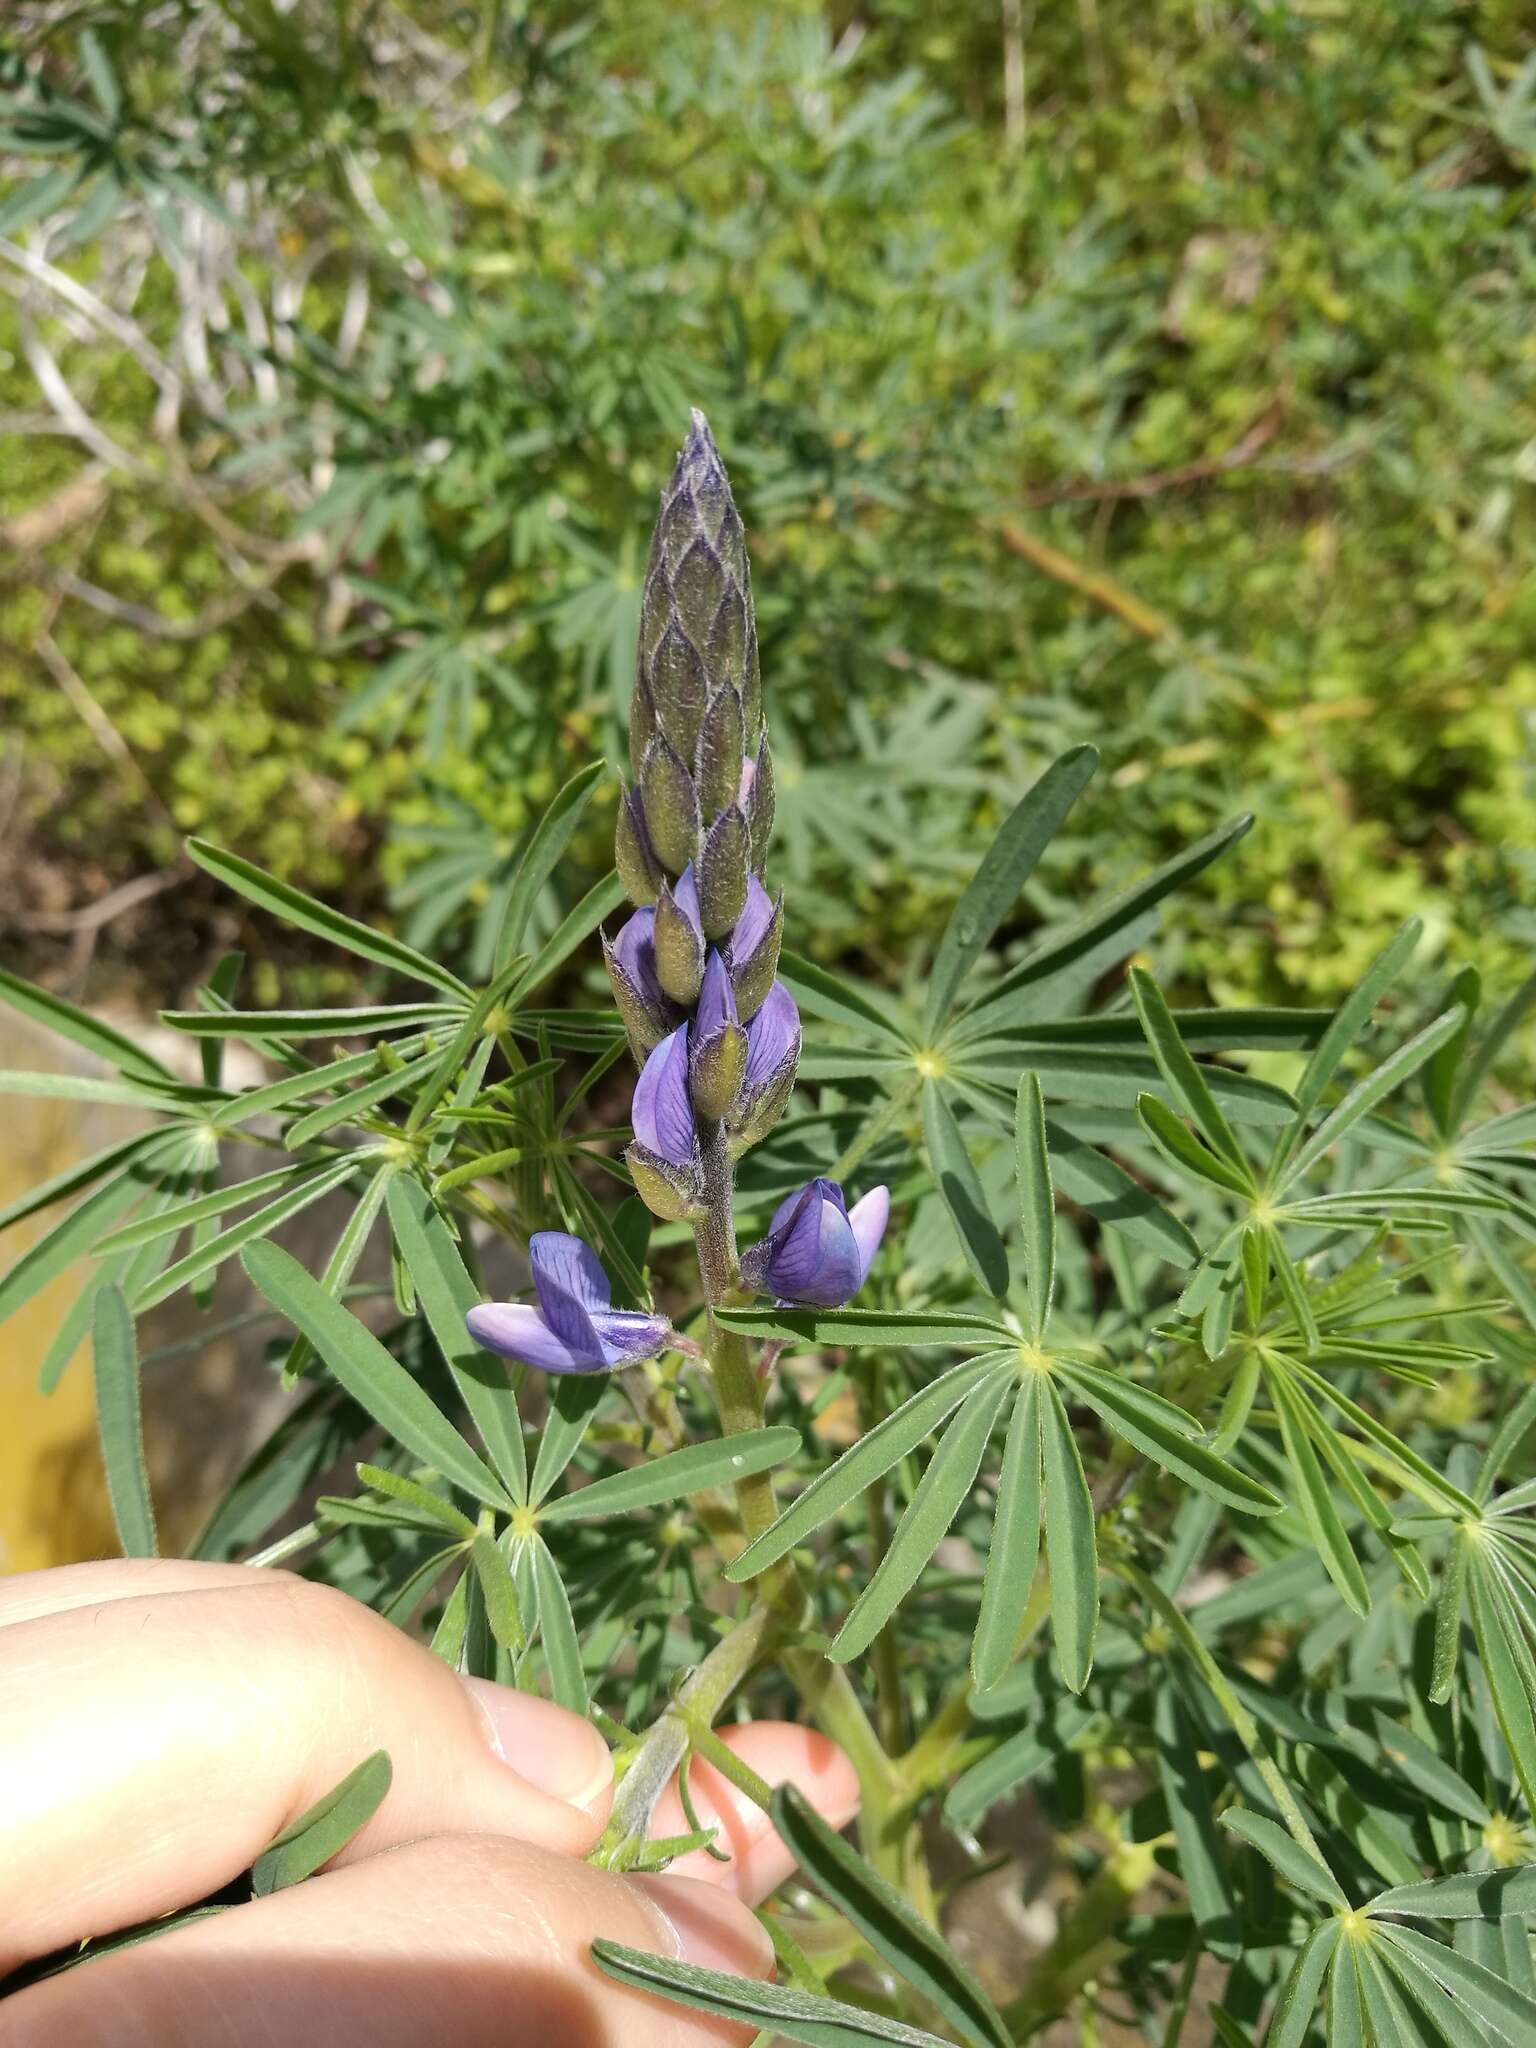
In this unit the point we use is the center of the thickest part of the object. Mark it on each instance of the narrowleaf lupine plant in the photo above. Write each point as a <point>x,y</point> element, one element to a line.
<point>1163,1474</point>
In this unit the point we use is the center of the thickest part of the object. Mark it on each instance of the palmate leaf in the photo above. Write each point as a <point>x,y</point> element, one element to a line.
<point>1005,868</point>
<point>1317,1507</point>
<point>1183,1075</point>
<point>1501,2011</point>
<point>306,1189</point>
<point>1399,1067</point>
<point>1293,1862</point>
<point>1037,1204</point>
<point>892,1927</point>
<point>1292,2017</point>
<point>557,1631</point>
<point>78,1233</point>
<point>781,2011</point>
<point>1166,1433</point>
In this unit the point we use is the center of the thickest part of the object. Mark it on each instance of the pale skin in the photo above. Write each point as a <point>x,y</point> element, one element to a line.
<point>161,1721</point>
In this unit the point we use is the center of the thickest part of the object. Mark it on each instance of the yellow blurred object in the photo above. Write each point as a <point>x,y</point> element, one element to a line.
<point>53,1500</point>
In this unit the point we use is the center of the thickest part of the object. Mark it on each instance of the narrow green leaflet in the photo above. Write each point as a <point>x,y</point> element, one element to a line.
<point>832,996</point>
<point>431,1504</point>
<point>351,1107</point>
<point>1473,1895</point>
<point>1184,1151</point>
<point>183,1215</point>
<point>1317,1506</point>
<point>1346,2016</point>
<point>960,1190</point>
<point>853,1327</point>
<point>572,1404</point>
<point>676,1475</point>
<point>325,1830</point>
<point>893,1928</point>
<point>1015,1548</point>
<point>1182,1074</point>
<point>65,1021</point>
<point>259,1024</point>
<point>541,857</point>
<point>446,1293</point>
<point>1292,2016</point>
<point>1366,1093</point>
<point>1187,1789</point>
<point>1104,1188</point>
<point>1167,1434</point>
<point>1496,1628</point>
<point>1063,949</point>
<point>1071,1550</point>
<point>1293,1862</point>
<point>496,1589</point>
<point>1478,1993</point>
<point>557,1630</point>
<point>1005,868</point>
<point>900,1433</point>
<point>1349,1021</point>
<point>774,2008</point>
<point>1013,1763</point>
<point>75,1179</point>
<point>119,1424</point>
<point>949,1478</point>
<point>574,929</point>
<point>72,1237</point>
<point>203,1258</point>
<point>297,908</point>
<point>378,1382</point>
<point>1037,1204</point>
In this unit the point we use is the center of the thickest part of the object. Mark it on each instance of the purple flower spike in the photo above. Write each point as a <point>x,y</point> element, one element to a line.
<point>663,1113</point>
<point>685,894</point>
<point>635,951</point>
<point>575,1328</point>
<point>818,1253</point>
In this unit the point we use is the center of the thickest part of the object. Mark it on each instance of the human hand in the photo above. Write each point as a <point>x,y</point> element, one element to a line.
<point>161,1721</point>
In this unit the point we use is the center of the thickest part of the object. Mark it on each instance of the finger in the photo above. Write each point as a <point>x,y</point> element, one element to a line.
<point>27,1596</point>
<point>460,1942</point>
<point>151,1747</point>
<point>780,1753</point>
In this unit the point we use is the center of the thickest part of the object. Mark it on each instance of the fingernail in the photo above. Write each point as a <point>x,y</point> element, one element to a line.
<point>710,1929</point>
<point>553,1750</point>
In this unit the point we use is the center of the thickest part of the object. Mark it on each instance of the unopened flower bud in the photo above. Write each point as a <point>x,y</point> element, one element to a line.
<point>637,990</point>
<point>717,1045</point>
<point>671,806</point>
<point>757,801</point>
<point>723,869</point>
<point>717,762</point>
<point>773,1057</point>
<point>679,940</point>
<point>753,948</point>
<point>638,868</point>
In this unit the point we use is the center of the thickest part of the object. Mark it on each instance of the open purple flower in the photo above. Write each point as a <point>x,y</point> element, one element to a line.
<point>663,1110</point>
<point>818,1251</point>
<point>575,1328</point>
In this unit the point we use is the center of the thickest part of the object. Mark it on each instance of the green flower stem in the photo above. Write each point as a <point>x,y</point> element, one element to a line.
<point>864,1142</point>
<point>665,1743</point>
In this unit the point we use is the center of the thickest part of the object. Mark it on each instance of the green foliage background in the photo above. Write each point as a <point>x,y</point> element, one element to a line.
<point>967,292</point>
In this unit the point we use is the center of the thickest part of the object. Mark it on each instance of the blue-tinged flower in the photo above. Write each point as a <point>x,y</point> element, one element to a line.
<point>717,1045</point>
<point>575,1328</point>
<point>818,1251</point>
<point>664,1160</point>
<point>663,1111</point>
<point>648,1014</point>
<point>754,948</point>
<point>679,938</point>
<point>773,1055</point>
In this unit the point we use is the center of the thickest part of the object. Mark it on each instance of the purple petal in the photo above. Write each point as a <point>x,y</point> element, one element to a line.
<point>772,1036</point>
<point>752,926</point>
<point>717,1000</point>
<point>514,1330</point>
<point>685,894</point>
<point>748,777</point>
<point>663,1114</point>
<point>626,1335</point>
<point>816,1261</point>
<point>867,1220</point>
<point>570,1282</point>
<point>635,951</point>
